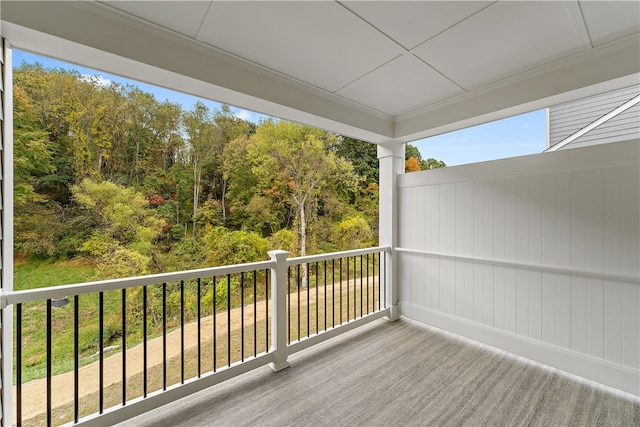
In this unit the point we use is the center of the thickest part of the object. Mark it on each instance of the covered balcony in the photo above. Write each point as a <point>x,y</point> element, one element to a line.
<point>511,287</point>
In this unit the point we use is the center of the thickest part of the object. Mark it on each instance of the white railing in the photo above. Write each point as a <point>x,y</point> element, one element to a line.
<point>177,333</point>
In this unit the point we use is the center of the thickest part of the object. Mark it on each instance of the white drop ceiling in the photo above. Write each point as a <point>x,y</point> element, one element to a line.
<point>383,71</point>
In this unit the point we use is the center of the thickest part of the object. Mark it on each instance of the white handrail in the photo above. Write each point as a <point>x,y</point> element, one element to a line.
<point>38,294</point>
<point>335,255</point>
<point>17,297</point>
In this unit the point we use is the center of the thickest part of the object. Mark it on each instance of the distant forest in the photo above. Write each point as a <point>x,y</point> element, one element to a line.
<point>135,185</point>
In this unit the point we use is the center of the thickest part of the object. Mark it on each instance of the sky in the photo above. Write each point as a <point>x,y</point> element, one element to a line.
<point>514,136</point>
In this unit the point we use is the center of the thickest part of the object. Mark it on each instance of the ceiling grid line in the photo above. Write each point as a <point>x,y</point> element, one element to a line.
<point>203,20</point>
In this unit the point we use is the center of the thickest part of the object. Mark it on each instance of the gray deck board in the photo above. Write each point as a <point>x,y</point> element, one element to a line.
<point>403,374</point>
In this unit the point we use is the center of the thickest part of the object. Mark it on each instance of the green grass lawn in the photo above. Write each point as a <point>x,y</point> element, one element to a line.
<point>41,273</point>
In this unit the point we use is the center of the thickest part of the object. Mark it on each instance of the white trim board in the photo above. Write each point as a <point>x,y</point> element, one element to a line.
<point>601,371</point>
<point>580,158</point>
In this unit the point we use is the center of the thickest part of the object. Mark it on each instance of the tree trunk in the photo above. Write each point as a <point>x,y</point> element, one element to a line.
<point>136,156</point>
<point>224,210</point>
<point>303,242</point>
<point>196,195</point>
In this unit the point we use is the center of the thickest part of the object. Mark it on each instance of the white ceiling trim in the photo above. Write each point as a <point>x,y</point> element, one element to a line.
<point>99,36</point>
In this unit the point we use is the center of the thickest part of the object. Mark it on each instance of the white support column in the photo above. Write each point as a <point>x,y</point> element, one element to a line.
<point>279,310</point>
<point>6,229</point>
<point>391,158</point>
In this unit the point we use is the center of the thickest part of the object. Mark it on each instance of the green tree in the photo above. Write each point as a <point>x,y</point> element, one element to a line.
<point>353,232</point>
<point>432,164</point>
<point>201,139</point>
<point>32,159</point>
<point>302,158</point>
<point>124,227</point>
<point>230,128</point>
<point>234,247</point>
<point>414,162</point>
<point>362,155</point>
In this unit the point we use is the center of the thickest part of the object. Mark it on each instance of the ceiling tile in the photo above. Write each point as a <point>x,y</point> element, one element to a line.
<point>500,41</point>
<point>320,43</point>
<point>401,85</point>
<point>609,20</point>
<point>412,22</point>
<point>182,16</point>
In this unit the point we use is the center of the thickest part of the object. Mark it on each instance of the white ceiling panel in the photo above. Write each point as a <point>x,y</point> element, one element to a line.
<point>502,40</point>
<point>376,70</point>
<point>401,85</point>
<point>412,22</point>
<point>317,42</point>
<point>184,17</point>
<point>607,21</point>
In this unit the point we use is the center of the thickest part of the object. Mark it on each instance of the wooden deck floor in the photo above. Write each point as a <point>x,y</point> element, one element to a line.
<point>403,374</point>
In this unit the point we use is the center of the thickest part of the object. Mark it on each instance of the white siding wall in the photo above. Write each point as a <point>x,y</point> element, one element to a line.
<point>538,255</point>
<point>568,118</point>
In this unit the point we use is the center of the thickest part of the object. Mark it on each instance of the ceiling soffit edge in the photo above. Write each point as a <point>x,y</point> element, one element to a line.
<point>220,54</point>
<point>309,101</point>
<point>439,127</point>
<point>525,76</point>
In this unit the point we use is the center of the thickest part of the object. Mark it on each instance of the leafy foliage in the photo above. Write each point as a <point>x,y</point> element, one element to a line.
<point>414,161</point>
<point>139,185</point>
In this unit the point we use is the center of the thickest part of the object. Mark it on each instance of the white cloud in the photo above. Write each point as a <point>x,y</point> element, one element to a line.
<point>247,115</point>
<point>96,80</point>
<point>244,115</point>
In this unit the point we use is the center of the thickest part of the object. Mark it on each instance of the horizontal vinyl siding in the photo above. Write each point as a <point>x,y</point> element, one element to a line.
<point>566,119</point>
<point>575,214</point>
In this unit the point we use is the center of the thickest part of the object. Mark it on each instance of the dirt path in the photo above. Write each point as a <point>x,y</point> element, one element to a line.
<point>34,392</point>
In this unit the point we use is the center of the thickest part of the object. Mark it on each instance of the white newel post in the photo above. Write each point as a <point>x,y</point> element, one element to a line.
<point>279,310</point>
<point>391,158</point>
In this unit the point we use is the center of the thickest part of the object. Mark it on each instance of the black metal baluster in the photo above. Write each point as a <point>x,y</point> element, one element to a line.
<point>144,341</point>
<point>361,286</point>
<point>289,302</point>
<point>298,281</point>
<point>333,293</point>
<point>355,287</point>
<point>101,351</point>
<point>266,310</point>
<point>367,283</point>
<point>164,336</point>
<point>308,302</point>
<point>19,366</point>
<point>242,316</point>
<point>348,290</point>
<point>182,331</point>
<point>373,288</point>
<point>229,319</point>
<point>255,314</point>
<point>385,280</point>
<point>124,346</point>
<point>325,295</point>
<point>317,301</point>
<point>49,332</point>
<point>215,321</point>
<point>76,358</point>
<point>199,332</point>
<point>341,291</point>
<point>379,283</point>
